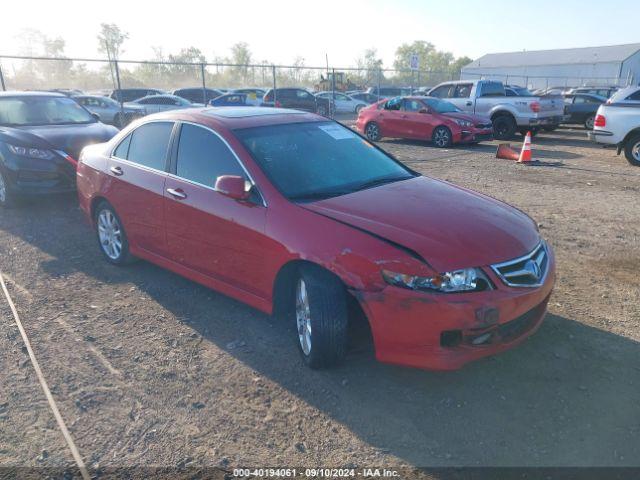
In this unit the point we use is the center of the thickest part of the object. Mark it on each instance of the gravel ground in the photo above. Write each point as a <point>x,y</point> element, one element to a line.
<point>149,369</point>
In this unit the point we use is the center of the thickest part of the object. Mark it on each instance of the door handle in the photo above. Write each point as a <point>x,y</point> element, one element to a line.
<point>177,193</point>
<point>116,171</point>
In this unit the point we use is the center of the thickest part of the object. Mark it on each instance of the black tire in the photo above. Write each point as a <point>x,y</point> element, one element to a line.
<point>7,197</point>
<point>504,127</point>
<point>124,255</point>
<point>442,137</point>
<point>372,131</point>
<point>589,122</point>
<point>632,150</point>
<point>327,313</point>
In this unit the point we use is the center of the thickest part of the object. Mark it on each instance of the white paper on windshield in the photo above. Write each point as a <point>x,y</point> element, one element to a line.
<point>337,132</point>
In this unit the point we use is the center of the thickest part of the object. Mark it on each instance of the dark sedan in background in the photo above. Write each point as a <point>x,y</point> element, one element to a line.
<point>231,100</point>
<point>581,108</point>
<point>298,99</point>
<point>41,137</point>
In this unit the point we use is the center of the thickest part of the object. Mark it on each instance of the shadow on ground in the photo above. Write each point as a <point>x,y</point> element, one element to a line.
<point>568,396</point>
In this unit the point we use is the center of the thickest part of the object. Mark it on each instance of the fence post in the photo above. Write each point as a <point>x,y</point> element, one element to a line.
<point>333,91</point>
<point>115,63</point>
<point>4,87</point>
<point>204,85</point>
<point>273,70</point>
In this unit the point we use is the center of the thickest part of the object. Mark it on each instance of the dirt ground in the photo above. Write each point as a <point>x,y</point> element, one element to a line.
<point>150,369</point>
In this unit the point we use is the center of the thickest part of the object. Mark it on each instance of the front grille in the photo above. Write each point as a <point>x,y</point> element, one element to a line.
<point>527,271</point>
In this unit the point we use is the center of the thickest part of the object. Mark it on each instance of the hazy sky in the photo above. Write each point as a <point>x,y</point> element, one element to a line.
<point>280,30</point>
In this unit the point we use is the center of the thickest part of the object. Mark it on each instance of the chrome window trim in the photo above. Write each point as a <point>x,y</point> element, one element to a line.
<point>130,132</point>
<point>496,267</point>
<point>253,182</point>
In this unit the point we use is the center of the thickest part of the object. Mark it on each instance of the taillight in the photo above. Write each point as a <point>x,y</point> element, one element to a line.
<point>535,107</point>
<point>600,121</point>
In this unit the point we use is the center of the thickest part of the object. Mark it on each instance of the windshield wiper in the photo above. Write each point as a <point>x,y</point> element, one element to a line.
<point>378,181</point>
<point>321,195</point>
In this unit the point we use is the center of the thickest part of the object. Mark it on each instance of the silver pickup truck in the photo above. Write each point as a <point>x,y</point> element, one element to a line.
<point>509,114</point>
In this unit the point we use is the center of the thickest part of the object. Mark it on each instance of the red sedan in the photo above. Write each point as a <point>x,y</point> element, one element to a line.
<point>299,216</point>
<point>423,118</point>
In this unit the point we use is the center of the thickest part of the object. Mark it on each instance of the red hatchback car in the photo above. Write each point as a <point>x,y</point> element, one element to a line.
<point>300,216</point>
<point>423,118</point>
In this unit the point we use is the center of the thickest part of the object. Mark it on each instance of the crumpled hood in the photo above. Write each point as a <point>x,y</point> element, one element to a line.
<point>475,119</point>
<point>450,227</point>
<point>71,139</point>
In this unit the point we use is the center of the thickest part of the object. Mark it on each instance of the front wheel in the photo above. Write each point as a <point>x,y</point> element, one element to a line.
<point>321,318</point>
<point>112,238</point>
<point>632,150</point>
<point>372,131</point>
<point>442,137</point>
<point>7,199</point>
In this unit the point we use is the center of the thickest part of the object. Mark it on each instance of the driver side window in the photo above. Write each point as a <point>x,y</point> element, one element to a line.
<point>413,106</point>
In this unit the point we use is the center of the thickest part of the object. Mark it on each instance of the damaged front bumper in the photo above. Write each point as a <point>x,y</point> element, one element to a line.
<point>438,331</point>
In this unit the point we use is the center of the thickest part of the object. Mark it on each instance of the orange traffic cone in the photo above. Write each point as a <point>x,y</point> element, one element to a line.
<point>525,154</point>
<point>505,152</point>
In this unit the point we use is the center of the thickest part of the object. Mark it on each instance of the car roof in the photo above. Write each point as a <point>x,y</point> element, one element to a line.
<point>31,93</point>
<point>238,117</point>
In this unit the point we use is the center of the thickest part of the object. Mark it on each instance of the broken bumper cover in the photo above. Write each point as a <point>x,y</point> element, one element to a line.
<point>438,331</point>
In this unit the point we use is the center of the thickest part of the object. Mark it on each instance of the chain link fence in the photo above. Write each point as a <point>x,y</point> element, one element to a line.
<point>101,76</point>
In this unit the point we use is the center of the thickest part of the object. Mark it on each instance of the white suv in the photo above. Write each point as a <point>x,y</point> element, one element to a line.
<point>617,123</point>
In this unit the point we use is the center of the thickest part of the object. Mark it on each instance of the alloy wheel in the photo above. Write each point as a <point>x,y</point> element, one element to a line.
<point>110,234</point>
<point>635,152</point>
<point>303,317</point>
<point>589,123</point>
<point>372,132</point>
<point>441,137</point>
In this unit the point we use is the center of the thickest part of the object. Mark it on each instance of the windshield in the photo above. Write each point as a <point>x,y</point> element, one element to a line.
<point>316,160</point>
<point>42,110</point>
<point>441,106</point>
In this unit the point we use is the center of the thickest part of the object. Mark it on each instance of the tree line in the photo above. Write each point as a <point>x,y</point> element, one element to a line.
<point>170,70</point>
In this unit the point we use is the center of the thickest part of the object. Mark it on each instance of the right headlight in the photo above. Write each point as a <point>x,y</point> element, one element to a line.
<point>30,152</point>
<point>464,280</point>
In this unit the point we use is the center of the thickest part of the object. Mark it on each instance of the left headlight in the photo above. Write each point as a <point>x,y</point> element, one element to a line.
<point>31,152</point>
<point>464,123</point>
<point>465,280</point>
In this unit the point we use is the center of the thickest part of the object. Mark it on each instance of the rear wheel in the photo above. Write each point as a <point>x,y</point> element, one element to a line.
<point>321,317</point>
<point>112,238</point>
<point>441,137</point>
<point>372,131</point>
<point>504,127</point>
<point>588,123</point>
<point>632,150</point>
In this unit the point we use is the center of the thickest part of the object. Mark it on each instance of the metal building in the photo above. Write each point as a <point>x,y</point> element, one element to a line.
<point>611,65</point>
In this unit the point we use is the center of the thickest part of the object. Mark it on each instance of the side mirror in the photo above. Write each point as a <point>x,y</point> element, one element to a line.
<point>96,116</point>
<point>232,186</point>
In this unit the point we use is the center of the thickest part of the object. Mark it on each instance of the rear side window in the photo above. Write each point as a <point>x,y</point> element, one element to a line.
<point>122,150</point>
<point>149,143</point>
<point>203,157</point>
<point>492,89</point>
<point>442,92</point>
